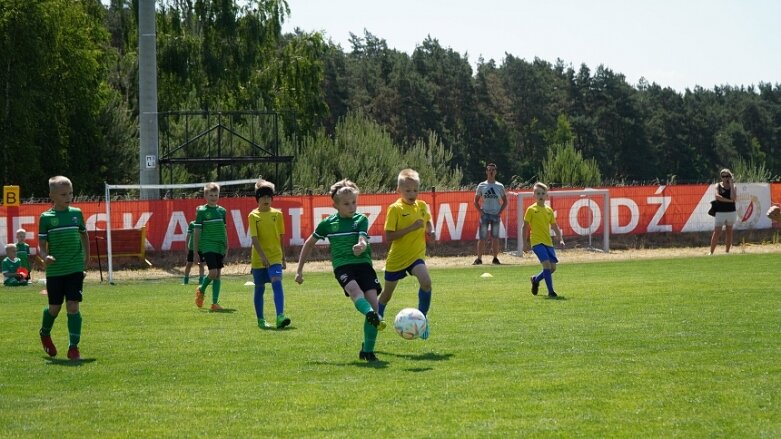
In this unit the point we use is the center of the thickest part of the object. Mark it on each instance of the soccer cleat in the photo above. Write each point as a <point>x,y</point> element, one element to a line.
<point>73,353</point>
<point>216,307</point>
<point>368,356</point>
<point>198,297</point>
<point>425,334</point>
<point>374,319</point>
<point>535,286</point>
<point>477,261</point>
<point>495,261</point>
<point>48,345</point>
<point>263,325</point>
<point>552,295</point>
<point>282,321</point>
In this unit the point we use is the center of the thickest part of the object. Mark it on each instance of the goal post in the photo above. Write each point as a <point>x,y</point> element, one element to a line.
<point>586,199</point>
<point>192,188</point>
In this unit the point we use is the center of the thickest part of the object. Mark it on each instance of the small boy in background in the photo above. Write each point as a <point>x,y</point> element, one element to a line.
<point>407,225</point>
<point>191,257</point>
<point>267,230</point>
<point>23,251</point>
<point>210,240</point>
<point>11,265</point>
<point>537,223</point>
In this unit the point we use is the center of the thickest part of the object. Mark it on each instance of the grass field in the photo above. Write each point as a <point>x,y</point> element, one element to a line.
<point>653,348</point>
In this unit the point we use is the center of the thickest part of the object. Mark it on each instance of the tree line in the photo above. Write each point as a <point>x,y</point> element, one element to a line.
<point>69,104</point>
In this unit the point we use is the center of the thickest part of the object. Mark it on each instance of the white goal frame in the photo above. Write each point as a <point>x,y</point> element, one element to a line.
<point>604,194</point>
<point>140,187</point>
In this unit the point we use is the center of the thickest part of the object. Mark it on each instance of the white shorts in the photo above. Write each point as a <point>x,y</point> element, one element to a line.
<point>726,218</point>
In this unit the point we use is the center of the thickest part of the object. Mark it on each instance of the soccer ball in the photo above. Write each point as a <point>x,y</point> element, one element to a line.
<point>410,323</point>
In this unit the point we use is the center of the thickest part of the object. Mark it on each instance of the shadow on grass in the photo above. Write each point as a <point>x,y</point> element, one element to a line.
<point>222,311</point>
<point>275,329</point>
<point>428,356</point>
<point>555,298</point>
<point>68,363</point>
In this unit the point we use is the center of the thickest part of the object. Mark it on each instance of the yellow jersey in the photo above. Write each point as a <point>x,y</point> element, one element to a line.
<point>540,218</point>
<point>268,228</point>
<point>412,246</point>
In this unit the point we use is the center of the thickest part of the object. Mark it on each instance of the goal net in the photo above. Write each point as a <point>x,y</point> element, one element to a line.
<point>129,220</point>
<point>582,214</point>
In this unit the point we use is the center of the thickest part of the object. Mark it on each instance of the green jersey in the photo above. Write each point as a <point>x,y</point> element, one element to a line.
<point>342,234</point>
<point>212,221</point>
<point>190,230</point>
<point>10,266</point>
<point>60,231</point>
<point>23,253</point>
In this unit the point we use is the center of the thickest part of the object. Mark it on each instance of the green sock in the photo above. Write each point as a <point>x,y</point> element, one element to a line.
<point>369,337</point>
<point>47,323</point>
<point>205,283</point>
<point>186,280</point>
<point>74,329</point>
<point>200,279</point>
<point>363,306</point>
<point>216,291</point>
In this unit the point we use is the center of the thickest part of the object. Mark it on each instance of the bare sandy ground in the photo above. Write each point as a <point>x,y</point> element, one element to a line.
<point>566,256</point>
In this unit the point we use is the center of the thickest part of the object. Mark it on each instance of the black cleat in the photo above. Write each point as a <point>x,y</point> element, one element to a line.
<point>552,295</point>
<point>496,261</point>
<point>477,261</point>
<point>535,286</point>
<point>368,356</point>
<point>375,320</point>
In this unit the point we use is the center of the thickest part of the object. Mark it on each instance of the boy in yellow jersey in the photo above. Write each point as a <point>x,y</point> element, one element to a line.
<point>407,224</point>
<point>537,224</point>
<point>267,230</point>
<point>64,246</point>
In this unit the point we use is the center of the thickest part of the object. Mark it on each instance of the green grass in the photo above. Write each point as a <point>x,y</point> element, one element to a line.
<point>654,348</point>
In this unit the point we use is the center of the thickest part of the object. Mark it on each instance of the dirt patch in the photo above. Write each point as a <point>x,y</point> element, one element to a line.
<point>238,263</point>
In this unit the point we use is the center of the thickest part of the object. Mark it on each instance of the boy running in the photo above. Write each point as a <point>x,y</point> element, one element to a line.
<point>538,222</point>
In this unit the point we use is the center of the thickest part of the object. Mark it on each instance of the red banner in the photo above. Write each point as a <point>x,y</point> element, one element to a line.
<point>631,210</point>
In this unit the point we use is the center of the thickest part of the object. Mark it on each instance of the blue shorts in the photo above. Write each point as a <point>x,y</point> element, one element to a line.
<point>545,253</point>
<point>489,219</point>
<point>264,275</point>
<point>399,275</point>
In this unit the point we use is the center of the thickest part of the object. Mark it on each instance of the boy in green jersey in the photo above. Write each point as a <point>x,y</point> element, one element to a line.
<point>210,240</point>
<point>348,235</point>
<point>23,251</point>
<point>11,265</point>
<point>64,247</point>
<point>191,257</point>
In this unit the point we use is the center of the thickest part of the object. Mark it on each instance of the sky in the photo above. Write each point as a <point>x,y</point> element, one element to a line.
<point>674,43</point>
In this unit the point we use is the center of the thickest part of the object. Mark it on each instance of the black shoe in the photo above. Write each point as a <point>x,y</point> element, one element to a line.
<point>496,261</point>
<point>375,320</point>
<point>552,295</point>
<point>368,356</point>
<point>477,261</point>
<point>535,286</point>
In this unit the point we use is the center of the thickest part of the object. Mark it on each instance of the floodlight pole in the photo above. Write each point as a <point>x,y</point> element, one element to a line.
<point>147,87</point>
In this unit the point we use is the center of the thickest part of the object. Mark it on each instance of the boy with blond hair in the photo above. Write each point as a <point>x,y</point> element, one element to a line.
<point>210,240</point>
<point>538,221</point>
<point>347,232</point>
<point>407,224</point>
<point>64,247</point>
<point>267,230</point>
<point>23,251</point>
<point>11,265</point>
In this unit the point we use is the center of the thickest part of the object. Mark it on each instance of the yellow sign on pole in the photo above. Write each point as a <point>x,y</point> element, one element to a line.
<point>12,196</point>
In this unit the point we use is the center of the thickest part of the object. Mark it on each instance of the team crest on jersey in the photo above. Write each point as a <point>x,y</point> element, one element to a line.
<point>74,220</point>
<point>355,226</point>
<point>208,215</point>
<point>55,222</point>
<point>334,227</point>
